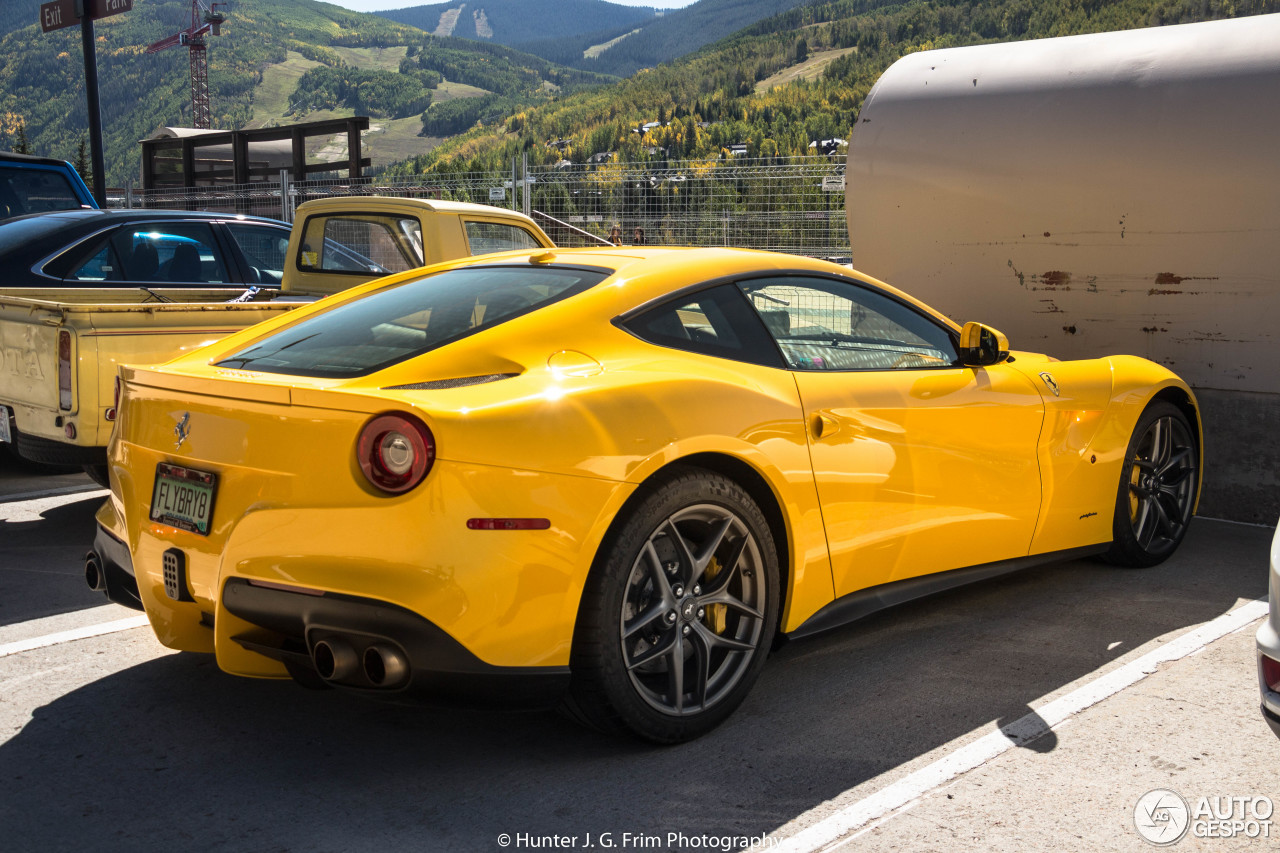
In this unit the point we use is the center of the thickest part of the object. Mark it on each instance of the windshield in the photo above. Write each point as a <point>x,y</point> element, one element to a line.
<point>390,326</point>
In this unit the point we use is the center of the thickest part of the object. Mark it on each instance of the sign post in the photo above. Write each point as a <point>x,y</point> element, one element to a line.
<point>65,13</point>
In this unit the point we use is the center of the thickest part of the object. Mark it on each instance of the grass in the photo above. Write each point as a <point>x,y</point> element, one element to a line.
<point>372,58</point>
<point>387,140</point>
<point>595,50</point>
<point>271,97</point>
<point>810,69</point>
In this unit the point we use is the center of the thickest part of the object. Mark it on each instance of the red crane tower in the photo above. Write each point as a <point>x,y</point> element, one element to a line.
<point>204,19</point>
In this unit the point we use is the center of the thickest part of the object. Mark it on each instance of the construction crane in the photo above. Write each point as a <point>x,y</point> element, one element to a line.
<point>205,19</point>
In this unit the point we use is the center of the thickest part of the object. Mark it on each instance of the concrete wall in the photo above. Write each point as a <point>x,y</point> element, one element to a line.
<point>1092,195</point>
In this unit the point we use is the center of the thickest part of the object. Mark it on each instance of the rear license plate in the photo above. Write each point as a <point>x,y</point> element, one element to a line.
<point>6,435</point>
<point>183,498</point>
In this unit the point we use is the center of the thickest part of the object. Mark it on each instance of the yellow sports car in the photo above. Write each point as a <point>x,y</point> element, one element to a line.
<point>612,477</point>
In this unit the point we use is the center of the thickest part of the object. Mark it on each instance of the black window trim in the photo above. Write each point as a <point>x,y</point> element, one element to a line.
<point>215,227</point>
<point>871,288</point>
<point>685,292</point>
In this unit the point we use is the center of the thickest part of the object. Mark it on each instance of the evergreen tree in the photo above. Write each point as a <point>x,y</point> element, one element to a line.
<point>81,163</point>
<point>22,147</point>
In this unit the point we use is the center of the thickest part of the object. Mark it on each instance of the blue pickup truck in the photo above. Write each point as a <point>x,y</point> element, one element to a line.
<point>39,184</point>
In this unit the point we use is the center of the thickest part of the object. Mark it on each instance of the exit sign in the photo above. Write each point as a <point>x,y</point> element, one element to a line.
<point>58,14</point>
<point>62,13</point>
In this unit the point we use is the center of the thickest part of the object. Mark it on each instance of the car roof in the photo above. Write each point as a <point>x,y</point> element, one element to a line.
<point>33,233</point>
<point>14,157</point>
<point>644,275</point>
<point>124,215</point>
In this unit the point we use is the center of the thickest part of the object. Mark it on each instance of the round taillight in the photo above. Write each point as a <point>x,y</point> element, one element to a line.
<point>395,452</point>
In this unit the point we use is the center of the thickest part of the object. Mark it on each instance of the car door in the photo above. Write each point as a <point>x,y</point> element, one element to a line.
<point>921,465</point>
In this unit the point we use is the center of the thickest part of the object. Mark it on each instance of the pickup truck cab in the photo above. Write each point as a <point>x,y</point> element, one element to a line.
<point>39,184</point>
<point>62,342</point>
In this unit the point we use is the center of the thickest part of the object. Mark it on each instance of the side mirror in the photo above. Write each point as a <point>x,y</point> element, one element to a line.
<point>982,345</point>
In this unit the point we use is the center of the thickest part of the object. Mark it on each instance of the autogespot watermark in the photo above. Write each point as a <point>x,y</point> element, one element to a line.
<point>635,841</point>
<point>1163,817</point>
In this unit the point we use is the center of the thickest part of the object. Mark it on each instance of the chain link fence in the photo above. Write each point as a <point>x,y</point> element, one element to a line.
<point>793,205</point>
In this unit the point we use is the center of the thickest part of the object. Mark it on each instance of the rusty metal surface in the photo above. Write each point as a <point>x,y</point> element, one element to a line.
<point>1109,193</point>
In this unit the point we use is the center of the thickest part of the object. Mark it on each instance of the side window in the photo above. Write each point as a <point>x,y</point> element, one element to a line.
<point>183,252</point>
<point>824,324</point>
<point>484,237</point>
<point>155,253</point>
<point>716,322</point>
<point>263,247</point>
<point>361,244</point>
<point>102,265</point>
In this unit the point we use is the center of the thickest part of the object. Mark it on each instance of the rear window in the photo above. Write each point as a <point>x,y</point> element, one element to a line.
<point>394,325</point>
<point>361,243</point>
<point>35,191</point>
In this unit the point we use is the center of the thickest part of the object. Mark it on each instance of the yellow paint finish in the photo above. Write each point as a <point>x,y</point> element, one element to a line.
<point>922,471</point>
<point>879,476</point>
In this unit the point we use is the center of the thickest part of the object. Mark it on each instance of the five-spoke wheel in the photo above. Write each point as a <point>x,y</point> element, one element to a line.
<point>678,616</point>
<point>1158,487</point>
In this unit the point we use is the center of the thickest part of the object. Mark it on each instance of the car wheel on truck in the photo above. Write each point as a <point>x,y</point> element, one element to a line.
<point>679,612</point>
<point>1157,490</point>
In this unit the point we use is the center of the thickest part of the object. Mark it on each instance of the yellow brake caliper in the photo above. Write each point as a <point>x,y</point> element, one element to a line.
<point>716,614</point>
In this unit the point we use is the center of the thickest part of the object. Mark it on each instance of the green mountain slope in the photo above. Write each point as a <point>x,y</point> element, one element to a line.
<point>277,61</point>
<point>515,22</point>
<point>42,76</point>
<point>709,100</point>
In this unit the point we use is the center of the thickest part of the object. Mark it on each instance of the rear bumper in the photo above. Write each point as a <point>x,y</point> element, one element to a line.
<point>34,448</point>
<point>117,569</point>
<point>286,625</point>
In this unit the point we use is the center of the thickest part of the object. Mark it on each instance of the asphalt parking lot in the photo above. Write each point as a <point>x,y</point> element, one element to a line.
<point>1031,712</point>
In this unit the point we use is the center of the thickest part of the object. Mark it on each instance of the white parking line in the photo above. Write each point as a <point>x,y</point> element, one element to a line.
<point>73,634</point>
<point>835,828</point>
<point>84,489</point>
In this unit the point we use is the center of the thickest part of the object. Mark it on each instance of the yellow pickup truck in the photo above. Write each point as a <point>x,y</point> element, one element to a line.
<point>62,346</point>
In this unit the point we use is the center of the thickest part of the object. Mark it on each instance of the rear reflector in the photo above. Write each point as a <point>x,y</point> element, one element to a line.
<point>508,523</point>
<point>1270,672</point>
<point>64,370</point>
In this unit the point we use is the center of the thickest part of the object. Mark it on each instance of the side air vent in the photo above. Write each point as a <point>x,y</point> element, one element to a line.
<point>460,382</point>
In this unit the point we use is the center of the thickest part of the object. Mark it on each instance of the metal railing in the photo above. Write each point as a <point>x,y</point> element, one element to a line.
<point>793,205</point>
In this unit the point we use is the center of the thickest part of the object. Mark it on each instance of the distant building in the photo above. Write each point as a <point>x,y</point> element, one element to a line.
<point>189,157</point>
<point>828,147</point>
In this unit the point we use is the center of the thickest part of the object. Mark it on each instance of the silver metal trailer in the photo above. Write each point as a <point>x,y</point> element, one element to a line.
<point>1096,194</point>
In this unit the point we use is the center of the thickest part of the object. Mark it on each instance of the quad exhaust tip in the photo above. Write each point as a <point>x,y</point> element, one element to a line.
<point>335,660</point>
<point>93,573</point>
<point>385,666</point>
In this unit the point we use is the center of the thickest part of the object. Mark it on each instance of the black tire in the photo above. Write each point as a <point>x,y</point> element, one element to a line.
<point>99,474</point>
<point>1158,485</point>
<point>689,574</point>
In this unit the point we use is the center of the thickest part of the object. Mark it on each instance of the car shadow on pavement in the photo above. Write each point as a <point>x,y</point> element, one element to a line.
<point>173,754</point>
<point>42,570</point>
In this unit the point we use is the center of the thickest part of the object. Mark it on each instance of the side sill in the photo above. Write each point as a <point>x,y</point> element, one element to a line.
<point>864,602</point>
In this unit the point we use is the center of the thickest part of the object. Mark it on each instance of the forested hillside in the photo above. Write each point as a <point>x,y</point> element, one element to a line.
<point>675,34</point>
<point>562,31</point>
<point>515,22</point>
<point>709,100</point>
<point>42,76</point>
